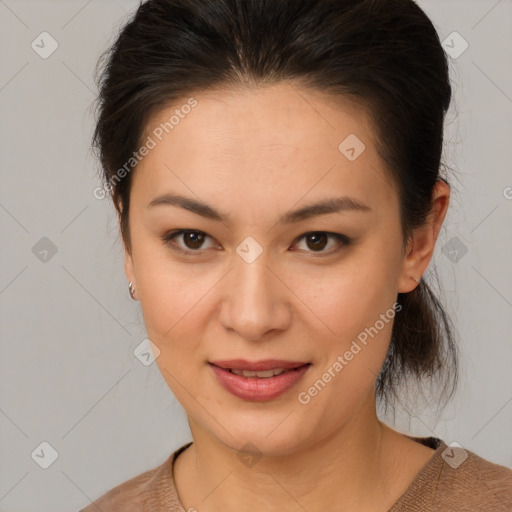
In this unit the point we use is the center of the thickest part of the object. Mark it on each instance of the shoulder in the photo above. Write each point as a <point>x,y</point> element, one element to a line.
<point>131,495</point>
<point>466,481</point>
<point>457,480</point>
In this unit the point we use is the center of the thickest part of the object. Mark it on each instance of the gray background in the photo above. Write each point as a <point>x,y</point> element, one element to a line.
<point>68,375</point>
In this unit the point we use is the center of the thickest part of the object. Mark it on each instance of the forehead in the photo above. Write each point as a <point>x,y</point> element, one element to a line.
<point>275,142</point>
<point>278,116</point>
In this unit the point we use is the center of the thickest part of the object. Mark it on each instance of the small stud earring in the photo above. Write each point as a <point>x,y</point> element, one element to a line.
<point>132,290</point>
<point>416,279</point>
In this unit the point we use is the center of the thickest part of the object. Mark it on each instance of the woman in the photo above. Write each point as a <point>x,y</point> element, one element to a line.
<point>275,165</point>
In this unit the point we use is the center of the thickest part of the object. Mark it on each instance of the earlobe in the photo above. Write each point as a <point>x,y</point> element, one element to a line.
<point>131,289</point>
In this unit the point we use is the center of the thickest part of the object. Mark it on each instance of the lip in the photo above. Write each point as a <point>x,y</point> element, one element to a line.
<point>258,389</point>
<point>262,365</point>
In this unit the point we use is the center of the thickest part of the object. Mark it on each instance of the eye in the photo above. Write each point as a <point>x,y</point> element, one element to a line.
<point>193,241</point>
<point>318,240</point>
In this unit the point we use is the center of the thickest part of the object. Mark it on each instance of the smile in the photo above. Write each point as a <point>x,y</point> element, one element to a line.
<point>261,384</point>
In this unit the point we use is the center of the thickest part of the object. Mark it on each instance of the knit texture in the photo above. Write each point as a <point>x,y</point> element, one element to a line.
<point>448,482</point>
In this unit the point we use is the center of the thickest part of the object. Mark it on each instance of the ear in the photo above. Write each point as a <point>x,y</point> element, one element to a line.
<point>128,267</point>
<point>128,259</point>
<point>421,248</point>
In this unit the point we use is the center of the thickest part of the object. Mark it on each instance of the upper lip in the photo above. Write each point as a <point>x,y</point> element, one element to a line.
<point>262,365</point>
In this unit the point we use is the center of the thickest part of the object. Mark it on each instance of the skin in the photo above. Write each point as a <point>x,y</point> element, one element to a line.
<point>256,154</point>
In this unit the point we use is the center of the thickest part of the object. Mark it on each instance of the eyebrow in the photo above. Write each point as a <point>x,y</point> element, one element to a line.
<point>324,207</point>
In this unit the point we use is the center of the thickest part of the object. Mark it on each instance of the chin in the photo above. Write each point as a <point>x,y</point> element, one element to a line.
<point>252,438</point>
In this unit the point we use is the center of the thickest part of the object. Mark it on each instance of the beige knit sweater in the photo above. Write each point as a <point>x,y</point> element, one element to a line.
<point>448,482</point>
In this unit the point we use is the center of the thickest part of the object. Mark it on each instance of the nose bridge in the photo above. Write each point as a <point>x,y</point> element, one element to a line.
<point>253,304</point>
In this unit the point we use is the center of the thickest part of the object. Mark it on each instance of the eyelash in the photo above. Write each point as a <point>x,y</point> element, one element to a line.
<point>168,239</point>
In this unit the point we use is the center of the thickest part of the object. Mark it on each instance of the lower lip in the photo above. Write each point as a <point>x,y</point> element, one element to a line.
<point>258,389</point>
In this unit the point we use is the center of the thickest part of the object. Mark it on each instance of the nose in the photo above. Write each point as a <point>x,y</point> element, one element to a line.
<point>255,301</point>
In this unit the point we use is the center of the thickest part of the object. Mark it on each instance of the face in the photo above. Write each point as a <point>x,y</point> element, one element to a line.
<point>260,283</point>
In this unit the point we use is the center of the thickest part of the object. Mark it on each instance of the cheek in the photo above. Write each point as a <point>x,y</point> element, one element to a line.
<point>354,310</point>
<point>347,298</point>
<point>170,307</point>
<point>349,360</point>
<point>168,291</point>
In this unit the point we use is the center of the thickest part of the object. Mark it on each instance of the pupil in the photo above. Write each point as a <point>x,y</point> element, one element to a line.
<point>316,244</point>
<point>192,235</point>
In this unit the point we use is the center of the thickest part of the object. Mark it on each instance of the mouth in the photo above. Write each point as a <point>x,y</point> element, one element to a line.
<point>258,381</point>
<point>262,365</point>
<point>261,374</point>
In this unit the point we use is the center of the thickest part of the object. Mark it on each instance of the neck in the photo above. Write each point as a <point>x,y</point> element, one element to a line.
<point>346,470</point>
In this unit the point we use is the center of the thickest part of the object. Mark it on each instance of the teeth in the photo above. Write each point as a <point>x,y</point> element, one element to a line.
<point>262,374</point>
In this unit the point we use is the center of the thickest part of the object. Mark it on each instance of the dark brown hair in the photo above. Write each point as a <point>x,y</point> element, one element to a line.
<point>383,54</point>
